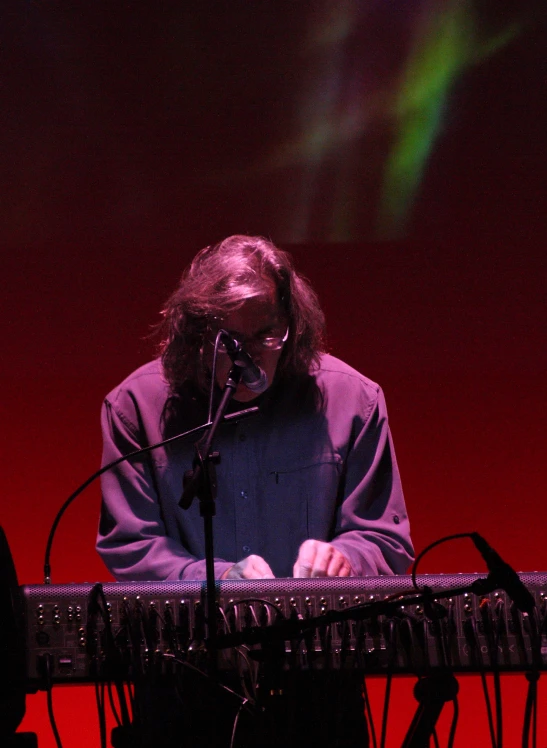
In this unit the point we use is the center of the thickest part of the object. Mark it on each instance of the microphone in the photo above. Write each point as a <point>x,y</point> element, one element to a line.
<point>252,376</point>
<point>504,576</point>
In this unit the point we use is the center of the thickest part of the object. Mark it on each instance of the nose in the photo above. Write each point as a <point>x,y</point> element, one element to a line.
<point>253,346</point>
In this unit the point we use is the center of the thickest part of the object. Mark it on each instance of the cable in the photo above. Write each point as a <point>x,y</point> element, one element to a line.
<point>46,659</point>
<point>530,715</point>
<point>113,707</point>
<point>101,712</point>
<point>112,652</point>
<point>213,377</point>
<point>368,713</point>
<point>144,450</point>
<point>500,630</point>
<point>530,711</point>
<point>492,641</point>
<point>454,723</point>
<point>471,636</point>
<point>387,696</point>
<point>236,720</point>
<point>430,547</point>
<point>235,603</point>
<point>390,638</point>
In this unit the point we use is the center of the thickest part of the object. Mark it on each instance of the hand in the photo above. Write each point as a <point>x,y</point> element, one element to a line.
<point>252,567</point>
<point>319,559</point>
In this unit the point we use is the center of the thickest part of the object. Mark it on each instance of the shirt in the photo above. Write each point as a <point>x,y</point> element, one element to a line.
<point>316,461</point>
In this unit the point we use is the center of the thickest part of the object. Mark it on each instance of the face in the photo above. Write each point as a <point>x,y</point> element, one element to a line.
<point>257,317</point>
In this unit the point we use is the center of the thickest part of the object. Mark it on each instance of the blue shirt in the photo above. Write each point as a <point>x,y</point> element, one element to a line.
<point>316,461</point>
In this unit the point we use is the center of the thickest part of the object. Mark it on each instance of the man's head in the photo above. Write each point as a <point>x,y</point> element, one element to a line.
<point>246,285</point>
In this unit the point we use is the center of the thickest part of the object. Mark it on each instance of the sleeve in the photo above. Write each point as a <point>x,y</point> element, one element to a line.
<point>132,538</point>
<point>372,527</point>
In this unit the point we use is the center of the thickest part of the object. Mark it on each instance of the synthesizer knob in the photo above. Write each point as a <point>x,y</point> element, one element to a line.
<point>40,615</point>
<point>42,639</point>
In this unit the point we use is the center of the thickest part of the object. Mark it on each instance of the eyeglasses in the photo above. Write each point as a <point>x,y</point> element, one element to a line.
<point>267,343</point>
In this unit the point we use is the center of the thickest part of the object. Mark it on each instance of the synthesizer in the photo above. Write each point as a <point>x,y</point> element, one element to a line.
<point>78,628</point>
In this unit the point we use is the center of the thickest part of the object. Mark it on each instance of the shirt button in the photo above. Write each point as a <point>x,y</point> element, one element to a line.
<point>243,494</point>
<point>246,548</point>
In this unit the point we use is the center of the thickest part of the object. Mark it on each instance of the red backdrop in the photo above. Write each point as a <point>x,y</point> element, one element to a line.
<point>453,332</point>
<point>135,133</point>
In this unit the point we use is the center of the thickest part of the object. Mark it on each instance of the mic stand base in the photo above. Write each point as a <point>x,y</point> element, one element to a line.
<point>431,692</point>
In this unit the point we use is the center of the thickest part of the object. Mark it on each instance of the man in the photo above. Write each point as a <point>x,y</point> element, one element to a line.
<point>308,486</point>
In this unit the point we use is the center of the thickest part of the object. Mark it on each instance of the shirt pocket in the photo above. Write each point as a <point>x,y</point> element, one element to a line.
<point>308,489</point>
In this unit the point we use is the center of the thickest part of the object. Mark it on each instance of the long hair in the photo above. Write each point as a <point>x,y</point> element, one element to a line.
<point>217,282</point>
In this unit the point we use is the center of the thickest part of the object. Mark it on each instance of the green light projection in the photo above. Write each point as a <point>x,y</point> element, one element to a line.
<point>370,108</point>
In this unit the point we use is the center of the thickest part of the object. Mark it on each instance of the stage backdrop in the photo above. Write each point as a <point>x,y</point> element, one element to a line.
<point>398,149</point>
<point>453,332</point>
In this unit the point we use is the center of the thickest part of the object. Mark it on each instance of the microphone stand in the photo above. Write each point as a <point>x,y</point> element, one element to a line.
<point>201,481</point>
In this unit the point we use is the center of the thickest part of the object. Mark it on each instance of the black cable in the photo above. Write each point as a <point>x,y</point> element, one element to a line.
<point>492,642</point>
<point>530,711</point>
<point>535,723</point>
<point>498,706</point>
<point>488,703</point>
<point>236,720</point>
<point>113,706</point>
<point>49,698</point>
<point>500,628</point>
<point>387,697</point>
<point>113,657</point>
<point>103,651</point>
<point>213,377</point>
<point>454,723</point>
<point>470,631</point>
<point>235,603</point>
<point>368,713</point>
<point>101,711</point>
<point>390,639</point>
<point>535,626</point>
<point>430,547</point>
<point>144,450</point>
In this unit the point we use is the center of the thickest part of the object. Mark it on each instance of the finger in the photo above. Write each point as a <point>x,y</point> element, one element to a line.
<point>305,561</point>
<point>339,566</point>
<point>261,569</point>
<point>254,567</point>
<point>323,556</point>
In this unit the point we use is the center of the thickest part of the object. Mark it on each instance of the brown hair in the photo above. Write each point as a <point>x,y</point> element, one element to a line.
<point>218,281</point>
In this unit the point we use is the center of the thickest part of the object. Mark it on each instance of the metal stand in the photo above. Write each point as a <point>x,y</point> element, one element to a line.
<point>201,481</point>
<point>432,692</point>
